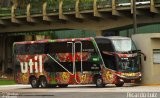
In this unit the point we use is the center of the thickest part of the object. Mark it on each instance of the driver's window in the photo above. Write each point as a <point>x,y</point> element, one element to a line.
<point>105,45</point>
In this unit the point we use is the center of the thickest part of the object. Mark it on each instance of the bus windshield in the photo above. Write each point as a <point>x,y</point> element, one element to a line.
<point>123,45</point>
<point>131,64</point>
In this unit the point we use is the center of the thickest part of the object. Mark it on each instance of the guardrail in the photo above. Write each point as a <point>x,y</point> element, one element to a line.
<point>69,5</point>
<point>86,5</point>
<point>52,6</point>
<point>4,12</point>
<point>36,7</point>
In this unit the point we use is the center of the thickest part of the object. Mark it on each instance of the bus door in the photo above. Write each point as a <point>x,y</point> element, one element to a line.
<point>82,66</point>
<point>78,61</point>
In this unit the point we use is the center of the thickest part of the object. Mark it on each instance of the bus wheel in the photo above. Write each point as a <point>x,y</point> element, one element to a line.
<point>99,82</point>
<point>34,83</point>
<point>43,82</point>
<point>120,84</point>
<point>62,85</point>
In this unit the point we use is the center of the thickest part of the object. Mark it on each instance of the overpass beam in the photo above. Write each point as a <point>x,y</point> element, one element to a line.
<point>4,23</point>
<point>44,11</point>
<point>29,17</point>
<point>61,15</point>
<point>78,15</point>
<point>114,9</point>
<point>77,10</point>
<point>153,9</point>
<point>138,12</point>
<point>96,13</point>
<point>13,15</point>
<point>28,12</point>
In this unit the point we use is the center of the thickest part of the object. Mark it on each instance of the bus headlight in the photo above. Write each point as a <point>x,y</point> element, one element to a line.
<point>140,74</point>
<point>121,80</point>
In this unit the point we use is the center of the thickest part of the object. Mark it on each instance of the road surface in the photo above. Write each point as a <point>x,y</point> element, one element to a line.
<point>80,91</point>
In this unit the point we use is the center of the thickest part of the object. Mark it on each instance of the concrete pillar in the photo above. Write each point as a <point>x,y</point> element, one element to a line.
<point>99,33</point>
<point>149,44</point>
<point>28,37</point>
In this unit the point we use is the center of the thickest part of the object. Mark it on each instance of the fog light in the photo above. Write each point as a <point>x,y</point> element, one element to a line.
<point>140,74</point>
<point>121,80</point>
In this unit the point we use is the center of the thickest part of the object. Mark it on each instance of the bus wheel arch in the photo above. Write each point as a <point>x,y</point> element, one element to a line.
<point>43,81</point>
<point>98,81</point>
<point>33,81</point>
<point>63,85</point>
<point>120,84</point>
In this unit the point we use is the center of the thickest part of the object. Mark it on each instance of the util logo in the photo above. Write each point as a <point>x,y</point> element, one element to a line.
<point>37,65</point>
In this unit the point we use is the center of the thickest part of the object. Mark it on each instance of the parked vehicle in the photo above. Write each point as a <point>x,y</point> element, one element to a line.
<point>61,62</point>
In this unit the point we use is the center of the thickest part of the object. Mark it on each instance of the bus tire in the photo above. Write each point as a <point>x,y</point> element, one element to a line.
<point>99,82</point>
<point>43,82</point>
<point>34,82</point>
<point>120,84</point>
<point>62,85</point>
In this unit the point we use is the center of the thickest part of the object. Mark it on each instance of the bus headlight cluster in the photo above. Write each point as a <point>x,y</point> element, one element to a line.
<point>140,74</point>
<point>128,74</point>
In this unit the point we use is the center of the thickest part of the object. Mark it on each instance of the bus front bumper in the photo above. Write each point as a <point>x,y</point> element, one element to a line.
<point>135,79</point>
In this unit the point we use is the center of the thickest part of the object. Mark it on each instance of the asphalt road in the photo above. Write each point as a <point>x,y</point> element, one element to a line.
<point>80,91</point>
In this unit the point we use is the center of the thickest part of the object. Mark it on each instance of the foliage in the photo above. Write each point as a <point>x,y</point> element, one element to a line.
<point>7,82</point>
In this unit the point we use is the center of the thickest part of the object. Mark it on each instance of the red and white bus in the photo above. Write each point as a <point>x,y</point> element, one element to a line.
<point>62,62</point>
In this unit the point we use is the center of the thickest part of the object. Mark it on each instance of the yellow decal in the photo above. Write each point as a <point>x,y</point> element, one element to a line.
<point>25,77</point>
<point>65,76</point>
<point>83,77</point>
<point>109,75</point>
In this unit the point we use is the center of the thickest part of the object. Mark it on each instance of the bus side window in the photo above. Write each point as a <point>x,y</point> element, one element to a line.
<point>56,50</point>
<point>59,47</point>
<point>19,49</point>
<point>32,49</point>
<point>48,67</point>
<point>90,51</point>
<point>105,47</point>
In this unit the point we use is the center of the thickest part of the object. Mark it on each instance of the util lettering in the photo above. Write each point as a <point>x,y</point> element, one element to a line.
<point>26,65</point>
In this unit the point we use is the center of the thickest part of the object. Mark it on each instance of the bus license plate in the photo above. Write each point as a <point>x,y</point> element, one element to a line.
<point>132,81</point>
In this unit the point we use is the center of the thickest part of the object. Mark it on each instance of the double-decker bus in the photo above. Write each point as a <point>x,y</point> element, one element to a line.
<point>61,62</point>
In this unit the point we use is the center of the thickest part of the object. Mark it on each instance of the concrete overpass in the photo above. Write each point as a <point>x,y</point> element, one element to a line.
<point>99,16</point>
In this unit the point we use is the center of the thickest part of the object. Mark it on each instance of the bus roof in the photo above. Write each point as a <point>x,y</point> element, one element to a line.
<point>55,40</point>
<point>113,37</point>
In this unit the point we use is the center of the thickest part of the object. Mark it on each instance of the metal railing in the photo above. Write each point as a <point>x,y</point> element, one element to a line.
<point>157,1</point>
<point>5,11</point>
<point>36,7</point>
<point>69,5</point>
<point>86,5</point>
<point>5,8</point>
<point>21,8</point>
<point>128,2</point>
<point>104,3</point>
<point>20,11</point>
<point>52,6</point>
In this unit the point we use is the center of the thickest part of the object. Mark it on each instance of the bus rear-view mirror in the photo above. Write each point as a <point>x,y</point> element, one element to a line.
<point>145,58</point>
